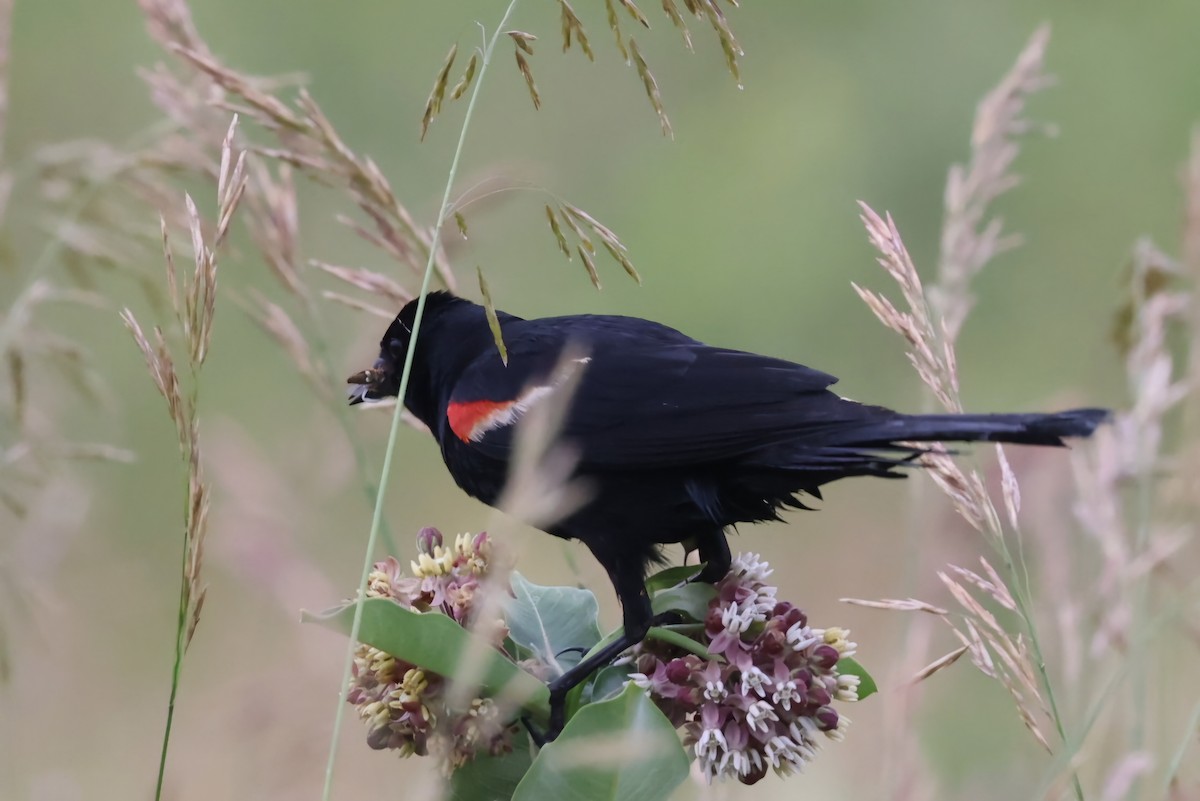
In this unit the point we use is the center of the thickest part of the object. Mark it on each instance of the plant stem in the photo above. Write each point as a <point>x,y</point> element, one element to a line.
<point>180,634</point>
<point>377,518</point>
<point>1023,602</point>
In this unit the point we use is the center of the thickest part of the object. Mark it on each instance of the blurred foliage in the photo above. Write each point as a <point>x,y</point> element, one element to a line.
<point>745,231</point>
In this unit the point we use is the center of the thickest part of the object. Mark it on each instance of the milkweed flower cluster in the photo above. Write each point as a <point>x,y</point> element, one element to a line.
<point>763,698</point>
<point>403,705</point>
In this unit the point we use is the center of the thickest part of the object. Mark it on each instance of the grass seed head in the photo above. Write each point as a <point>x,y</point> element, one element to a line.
<point>651,86</point>
<point>527,74</point>
<point>433,105</point>
<point>467,78</point>
<point>552,217</point>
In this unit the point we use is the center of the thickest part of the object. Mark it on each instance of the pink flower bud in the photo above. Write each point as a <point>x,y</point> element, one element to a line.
<point>825,657</point>
<point>428,538</point>
<point>827,718</point>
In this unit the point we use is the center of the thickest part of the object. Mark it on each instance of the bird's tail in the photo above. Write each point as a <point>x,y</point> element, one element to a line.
<point>882,443</point>
<point>1024,429</point>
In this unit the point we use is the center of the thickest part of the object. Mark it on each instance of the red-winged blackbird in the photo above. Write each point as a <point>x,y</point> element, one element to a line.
<point>677,440</point>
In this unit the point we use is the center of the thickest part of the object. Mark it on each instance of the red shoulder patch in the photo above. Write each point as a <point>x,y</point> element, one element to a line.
<point>469,420</point>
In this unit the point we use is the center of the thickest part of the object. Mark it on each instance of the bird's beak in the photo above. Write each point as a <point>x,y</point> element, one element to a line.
<point>375,385</point>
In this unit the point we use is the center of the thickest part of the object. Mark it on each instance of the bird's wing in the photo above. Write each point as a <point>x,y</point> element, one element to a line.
<point>650,397</point>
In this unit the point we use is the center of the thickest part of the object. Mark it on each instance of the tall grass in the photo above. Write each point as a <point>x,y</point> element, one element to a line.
<point>1122,599</point>
<point>1087,624</point>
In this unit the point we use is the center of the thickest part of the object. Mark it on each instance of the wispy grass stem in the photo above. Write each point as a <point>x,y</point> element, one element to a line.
<point>389,452</point>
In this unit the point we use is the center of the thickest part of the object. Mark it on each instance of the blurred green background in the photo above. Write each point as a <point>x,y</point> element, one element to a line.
<point>745,229</point>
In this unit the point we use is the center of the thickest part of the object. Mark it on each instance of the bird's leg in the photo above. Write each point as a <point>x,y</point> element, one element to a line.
<point>626,570</point>
<point>714,553</point>
<point>575,676</point>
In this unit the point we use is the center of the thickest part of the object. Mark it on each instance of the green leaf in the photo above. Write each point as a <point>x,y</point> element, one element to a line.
<point>607,683</point>
<point>549,620</point>
<point>435,642</point>
<point>487,778</point>
<point>690,599</point>
<point>618,750</point>
<point>671,577</point>
<point>851,667</point>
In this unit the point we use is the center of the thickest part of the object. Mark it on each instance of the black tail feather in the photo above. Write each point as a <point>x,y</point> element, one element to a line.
<point>885,445</point>
<point>1023,429</point>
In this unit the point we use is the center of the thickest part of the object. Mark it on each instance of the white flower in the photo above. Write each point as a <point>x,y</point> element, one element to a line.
<point>839,734</point>
<point>740,761</point>
<point>754,679</point>
<point>711,745</point>
<point>786,692</point>
<point>751,569</point>
<point>640,680</point>
<point>801,637</point>
<point>783,755</point>
<point>737,620</point>
<point>715,691</point>
<point>759,713</point>
<point>847,688</point>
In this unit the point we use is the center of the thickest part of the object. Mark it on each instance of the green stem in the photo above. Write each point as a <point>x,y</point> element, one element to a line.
<point>377,518</point>
<point>180,633</point>
<point>681,641</point>
<point>180,630</point>
<point>185,587</point>
<point>1024,608</point>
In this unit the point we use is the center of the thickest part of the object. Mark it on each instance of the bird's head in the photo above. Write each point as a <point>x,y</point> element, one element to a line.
<point>381,382</point>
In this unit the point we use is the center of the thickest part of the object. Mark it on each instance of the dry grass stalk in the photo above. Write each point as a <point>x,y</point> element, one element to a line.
<point>927,356</point>
<point>651,85</point>
<point>194,303</point>
<point>672,12</point>
<point>273,221</point>
<point>527,74</point>
<point>97,196</point>
<point>611,242</point>
<point>898,605</point>
<point>357,305</point>
<point>571,220</point>
<point>278,325</point>
<point>970,239</point>
<point>573,26</point>
<point>635,12</point>
<point>930,328</point>
<point>552,216</point>
<point>576,219</point>
<point>433,106</point>
<point>369,281</point>
<point>1120,484</point>
<point>940,663</point>
<point>307,139</point>
<point>468,77</point>
<point>589,264</point>
<point>523,41</point>
<point>493,320</point>
<point>729,45</point>
<point>614,24</point>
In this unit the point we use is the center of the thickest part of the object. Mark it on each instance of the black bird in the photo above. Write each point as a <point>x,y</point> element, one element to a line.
<point>677,440</point>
